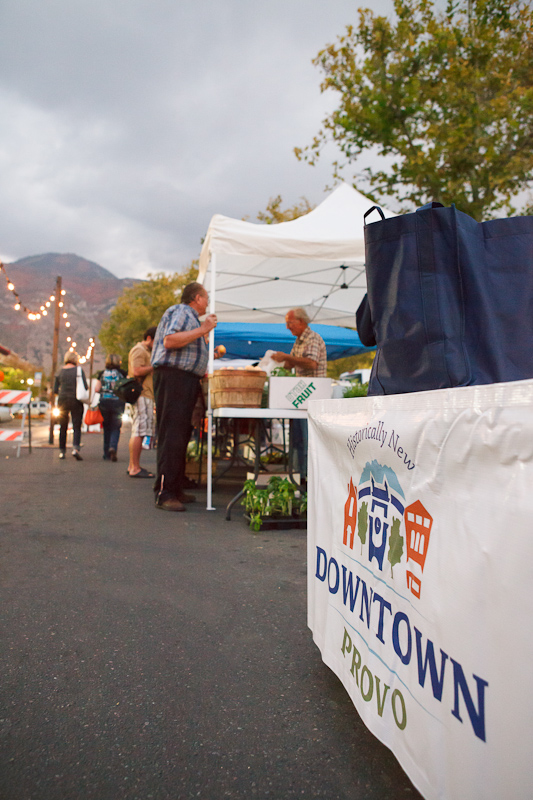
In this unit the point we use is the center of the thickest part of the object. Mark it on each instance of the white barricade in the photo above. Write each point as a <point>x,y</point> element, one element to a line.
<point>10,397</point>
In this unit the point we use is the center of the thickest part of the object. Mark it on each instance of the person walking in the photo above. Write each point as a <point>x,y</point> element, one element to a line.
<point>179,359</point>
<point>308,357</point>
<point>140,367</point>
<point>67,402</point>
<point>111,407</point>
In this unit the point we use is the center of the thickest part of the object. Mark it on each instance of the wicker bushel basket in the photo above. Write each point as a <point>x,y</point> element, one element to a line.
<point>237,388</point>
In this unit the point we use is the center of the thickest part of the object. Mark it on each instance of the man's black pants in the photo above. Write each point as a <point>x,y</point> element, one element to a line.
<point>175,396</point>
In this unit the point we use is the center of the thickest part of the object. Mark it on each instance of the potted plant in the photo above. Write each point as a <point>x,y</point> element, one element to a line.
<point>279,505</point>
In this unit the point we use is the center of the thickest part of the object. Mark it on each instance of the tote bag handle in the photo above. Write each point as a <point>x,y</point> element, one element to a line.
<point>370,210</point>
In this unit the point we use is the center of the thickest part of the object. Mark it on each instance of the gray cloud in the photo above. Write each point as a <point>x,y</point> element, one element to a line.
<point>128,123</point>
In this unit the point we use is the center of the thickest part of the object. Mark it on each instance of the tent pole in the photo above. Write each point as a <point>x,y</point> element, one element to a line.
<point>209,476</point>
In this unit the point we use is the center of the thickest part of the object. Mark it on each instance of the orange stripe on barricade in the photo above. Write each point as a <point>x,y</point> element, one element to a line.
<point>11,436</point>
<point>8,396</point>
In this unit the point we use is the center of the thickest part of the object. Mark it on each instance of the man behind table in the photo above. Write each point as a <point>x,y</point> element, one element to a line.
<point>309,359</point>
<point>179,359</point>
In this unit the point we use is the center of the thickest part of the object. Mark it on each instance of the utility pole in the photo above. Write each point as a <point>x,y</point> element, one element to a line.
<point>54,357</point>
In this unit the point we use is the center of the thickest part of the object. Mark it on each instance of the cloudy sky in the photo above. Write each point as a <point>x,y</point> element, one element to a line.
<point>126,124</point>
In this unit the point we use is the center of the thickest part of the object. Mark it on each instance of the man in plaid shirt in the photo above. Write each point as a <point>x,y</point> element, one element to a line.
<point>179,359</point>
<point>309,359</point>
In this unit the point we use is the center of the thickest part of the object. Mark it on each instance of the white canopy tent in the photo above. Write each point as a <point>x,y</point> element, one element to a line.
<point>256,272</point>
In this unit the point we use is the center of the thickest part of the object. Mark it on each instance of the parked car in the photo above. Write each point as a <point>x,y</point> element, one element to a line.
<point>39,408</point>
<point>5,413</point>
<point>358,376</point>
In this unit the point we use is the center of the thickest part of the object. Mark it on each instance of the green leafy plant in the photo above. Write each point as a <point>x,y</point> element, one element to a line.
<point>280,498</point>
<point>356,390</point>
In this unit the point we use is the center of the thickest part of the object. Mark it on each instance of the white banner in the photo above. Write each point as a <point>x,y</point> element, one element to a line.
<point>420,578</point>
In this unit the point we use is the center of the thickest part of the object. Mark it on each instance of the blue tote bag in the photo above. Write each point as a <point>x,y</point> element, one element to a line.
<point>450,300</point>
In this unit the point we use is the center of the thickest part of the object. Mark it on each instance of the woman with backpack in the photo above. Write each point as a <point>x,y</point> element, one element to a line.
<point>110,406</point>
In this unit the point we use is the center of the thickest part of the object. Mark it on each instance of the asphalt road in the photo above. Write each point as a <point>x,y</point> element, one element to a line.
<point>154,655</point>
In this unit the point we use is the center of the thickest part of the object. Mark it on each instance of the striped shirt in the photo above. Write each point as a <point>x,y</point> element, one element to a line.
<point>311,345</point>
<point>191,358</point>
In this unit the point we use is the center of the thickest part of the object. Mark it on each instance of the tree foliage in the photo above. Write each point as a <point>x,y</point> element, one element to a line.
<point>141,306</point>
<point>275,213</point>
<point>350,364</point>
<point>15,378</point>
<point>448,95</point>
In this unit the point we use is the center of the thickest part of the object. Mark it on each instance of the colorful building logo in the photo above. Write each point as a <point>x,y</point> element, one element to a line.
<point>389,531</point>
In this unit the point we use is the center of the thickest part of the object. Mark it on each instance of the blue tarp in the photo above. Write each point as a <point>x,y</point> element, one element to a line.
<point>252,340</point>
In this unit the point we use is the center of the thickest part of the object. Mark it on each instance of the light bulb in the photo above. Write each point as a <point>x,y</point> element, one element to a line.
<point>10,286</point>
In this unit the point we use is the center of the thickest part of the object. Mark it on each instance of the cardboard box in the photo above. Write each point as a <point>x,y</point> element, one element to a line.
<point>295,392</point>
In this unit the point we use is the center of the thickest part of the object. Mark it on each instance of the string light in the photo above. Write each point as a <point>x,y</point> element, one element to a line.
<point>19,305</point>
<point>37,315</point>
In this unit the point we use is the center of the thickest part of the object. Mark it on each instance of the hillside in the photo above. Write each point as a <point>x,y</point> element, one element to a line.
<point>91,293</point>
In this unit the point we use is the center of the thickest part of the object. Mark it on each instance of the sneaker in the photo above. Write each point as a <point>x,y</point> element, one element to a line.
<point>77,455</point>
<point>172,504</point>
<point>112,454</point>
<point>62,454</point>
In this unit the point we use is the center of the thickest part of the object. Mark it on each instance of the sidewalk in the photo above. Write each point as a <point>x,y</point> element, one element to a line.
<point>155,655</point>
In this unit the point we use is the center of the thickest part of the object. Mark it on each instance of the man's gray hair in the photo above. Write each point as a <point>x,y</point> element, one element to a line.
<point>301,314</point>
<point>190,291</point>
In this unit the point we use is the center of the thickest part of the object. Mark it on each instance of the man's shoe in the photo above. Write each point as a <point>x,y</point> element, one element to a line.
<point>172,504</point>
<point>112,454</point>
<point>62,454</point>
<point>186,498</point>
<point>77,455</point>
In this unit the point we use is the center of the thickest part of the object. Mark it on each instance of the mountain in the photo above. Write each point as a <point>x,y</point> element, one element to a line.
<point>91,293</point>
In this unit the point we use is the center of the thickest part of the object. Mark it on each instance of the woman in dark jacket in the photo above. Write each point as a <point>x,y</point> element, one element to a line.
<point>110,406</point>
<point>65,388</point>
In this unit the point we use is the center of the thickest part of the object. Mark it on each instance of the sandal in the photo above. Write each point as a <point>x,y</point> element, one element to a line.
<point>142,474</point>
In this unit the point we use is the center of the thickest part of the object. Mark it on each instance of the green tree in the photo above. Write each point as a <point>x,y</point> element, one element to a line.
<point>15,378</point>
<point>275,213</point>
<point>395,545</point>
<point>362,523</point>
<point>448,95</point>
<point>350,364</point>
<point>141,306</point>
